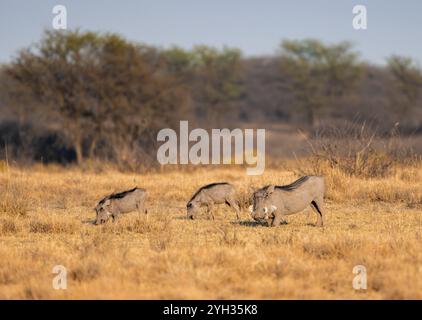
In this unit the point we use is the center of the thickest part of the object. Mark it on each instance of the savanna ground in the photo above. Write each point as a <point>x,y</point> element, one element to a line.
<point>46,214</point>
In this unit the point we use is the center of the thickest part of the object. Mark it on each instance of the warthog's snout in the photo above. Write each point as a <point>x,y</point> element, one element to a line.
<point>99,221</point>
<point>101,216</point>
<point>264,214</point>
<point>190,209</point>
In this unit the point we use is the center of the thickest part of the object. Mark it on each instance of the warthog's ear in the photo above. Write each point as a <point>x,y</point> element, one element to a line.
<point>252,189</point>
<point>107,202</point>
<point>270,189</point>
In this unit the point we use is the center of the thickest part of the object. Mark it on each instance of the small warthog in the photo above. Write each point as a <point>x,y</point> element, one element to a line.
<point>115,204</point>
<point>211,194</point>
<point>271,203</point>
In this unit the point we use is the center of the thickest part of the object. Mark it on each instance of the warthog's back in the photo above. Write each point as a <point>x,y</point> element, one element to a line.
<point>304,184</point>
<point>296,196</point>
<point>217,192</point>
<point>128,200</point>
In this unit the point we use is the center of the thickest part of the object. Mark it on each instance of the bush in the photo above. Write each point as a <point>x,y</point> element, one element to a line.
<point>357,150</point>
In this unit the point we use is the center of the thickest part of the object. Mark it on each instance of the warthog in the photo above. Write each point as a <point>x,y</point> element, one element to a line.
<point>272,202</point>
<point>115,204</point>
<point>211,194</point>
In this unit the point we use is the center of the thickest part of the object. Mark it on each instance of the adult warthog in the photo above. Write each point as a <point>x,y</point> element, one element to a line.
<point>211,194</point>
<point>271,203</point>
<point>116,203</point>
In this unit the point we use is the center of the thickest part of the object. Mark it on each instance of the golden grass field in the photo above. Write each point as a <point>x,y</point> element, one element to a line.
<point>45,215</point>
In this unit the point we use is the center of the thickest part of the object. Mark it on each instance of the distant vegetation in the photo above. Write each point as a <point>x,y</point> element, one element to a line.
<point>77,96</point>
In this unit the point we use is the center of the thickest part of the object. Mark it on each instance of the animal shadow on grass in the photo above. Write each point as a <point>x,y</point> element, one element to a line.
<point>249,223</point>
<point>91,221</point>
<point>310,224</point>
<point>254,223</point>
<point>200,218</point>
<point>181,217</point>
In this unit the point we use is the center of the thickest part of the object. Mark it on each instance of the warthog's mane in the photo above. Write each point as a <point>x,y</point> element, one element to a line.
<point>118,195</point>
<point>207,187</point>
<point>294,185</point>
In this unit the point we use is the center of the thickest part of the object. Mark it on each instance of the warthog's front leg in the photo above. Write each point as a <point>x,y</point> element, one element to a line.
<point>141,208</point>
<point>269,222</point>
<point>114,216</point>
<point>274,218</point>
<point>277,220</point>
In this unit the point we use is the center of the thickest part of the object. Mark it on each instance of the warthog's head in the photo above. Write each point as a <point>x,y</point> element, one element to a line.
<point>102,212</point>
<point>191,209</point>
<point>262,208</point>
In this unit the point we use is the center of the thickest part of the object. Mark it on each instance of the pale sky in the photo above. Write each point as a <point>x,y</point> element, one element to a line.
<point>256,27</point>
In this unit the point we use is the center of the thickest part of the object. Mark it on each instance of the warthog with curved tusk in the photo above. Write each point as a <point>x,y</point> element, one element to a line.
<point>115,204</point>
<point>271,203</point>
<point>211,194</point>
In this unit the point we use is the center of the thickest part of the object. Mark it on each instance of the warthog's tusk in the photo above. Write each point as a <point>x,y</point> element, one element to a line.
<point>266,212</point>
<point>250,209</point>
<point>273,208</point>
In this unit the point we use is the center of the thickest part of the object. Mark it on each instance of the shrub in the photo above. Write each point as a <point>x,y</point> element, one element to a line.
<point>357,150</point>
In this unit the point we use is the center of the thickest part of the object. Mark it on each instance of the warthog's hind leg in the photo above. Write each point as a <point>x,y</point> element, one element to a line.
<point>318,206</point>
<point>233,203</point>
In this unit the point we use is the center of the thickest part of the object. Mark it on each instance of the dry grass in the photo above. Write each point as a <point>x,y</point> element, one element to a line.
<point>45,216</point>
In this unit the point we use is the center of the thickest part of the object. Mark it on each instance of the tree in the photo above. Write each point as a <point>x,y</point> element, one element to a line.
<point>319,74</point>
<point>213,76</point>
<point>407,78</point>
<point>98,86</point>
